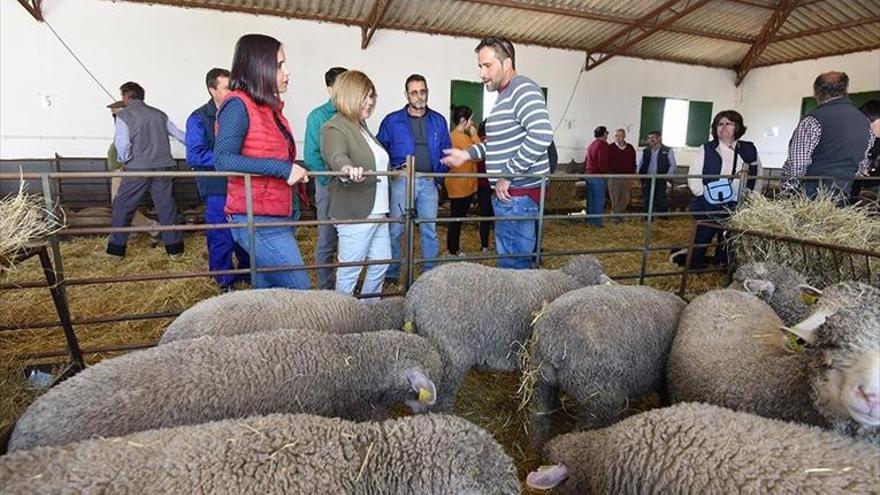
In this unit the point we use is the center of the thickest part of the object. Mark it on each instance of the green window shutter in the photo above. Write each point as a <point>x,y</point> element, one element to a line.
<point>652,117</point>
<point>699,123</point>
<point>808,103</point>
<point>469,94</point>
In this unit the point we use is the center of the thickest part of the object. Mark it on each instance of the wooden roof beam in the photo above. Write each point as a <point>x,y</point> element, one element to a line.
<point>594,16</point>
<point>377,13</point>
<point>845,51</point>
<point>777,19</point>
<point>34,8</point>
<point>826,29</point>
<point>658,19</point>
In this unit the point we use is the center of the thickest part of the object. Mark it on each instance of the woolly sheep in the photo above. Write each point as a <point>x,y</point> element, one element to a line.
<point>352,376</point>
<point>476,314</point>
<point>602,346</point>
<point>429,454</point>
<point>842,337</point>
<point>777,285</point>
<point>261,310</point>
<point>699,448</point>
<point>725,353</point>
<point>388,313</point>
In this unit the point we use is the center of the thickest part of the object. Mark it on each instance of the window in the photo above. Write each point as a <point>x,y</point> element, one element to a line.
<point>858,99</point>
<point>682,122</point>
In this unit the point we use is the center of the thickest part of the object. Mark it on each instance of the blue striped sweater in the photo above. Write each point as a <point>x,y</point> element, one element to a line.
<point>518,133</point>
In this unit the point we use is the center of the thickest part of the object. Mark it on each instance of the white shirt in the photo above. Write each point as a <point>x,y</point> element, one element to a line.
<point>380,156</point>
<point>727,154</point>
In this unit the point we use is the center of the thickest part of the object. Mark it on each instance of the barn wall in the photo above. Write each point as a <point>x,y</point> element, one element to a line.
<point>49,104</point>
<point>771,96</point>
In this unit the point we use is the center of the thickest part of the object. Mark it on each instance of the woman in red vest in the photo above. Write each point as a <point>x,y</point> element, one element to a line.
<point>253,137</point>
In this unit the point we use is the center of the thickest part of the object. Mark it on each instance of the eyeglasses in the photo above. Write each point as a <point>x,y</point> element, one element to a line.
<point>418,92</point>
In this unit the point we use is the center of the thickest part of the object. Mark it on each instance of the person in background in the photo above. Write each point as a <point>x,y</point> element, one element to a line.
<point>348,146</point>
<point>726,154</point>
<point>833,141</point>
<point>484,195</point>
<point>142,145</point>
<point>113,165</point>
<point>871,109</point>
<point>621,160</point>
<point>518,134</point>
<point>657,159</point>
<point>596,163</point>
<point>212,190</point>
<point>460,191</point>
<point>423,133</point>
<point>253,137</point>
<point>325,249</point>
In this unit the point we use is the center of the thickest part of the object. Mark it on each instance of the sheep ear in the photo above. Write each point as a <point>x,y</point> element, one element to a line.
<point>423,385</point>
<point>547,477</point>
<point>806,330</point>
<point>757,287</point>
<point>809,294</point>
<point>606,280</point>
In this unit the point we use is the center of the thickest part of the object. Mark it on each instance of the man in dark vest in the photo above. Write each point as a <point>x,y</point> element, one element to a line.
<point>212,190</point>
<point>142,145</point>
<point>656,159</point>
<point>831,141</point>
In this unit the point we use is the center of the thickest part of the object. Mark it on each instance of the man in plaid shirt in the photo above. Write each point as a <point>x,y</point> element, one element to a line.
<point>831,141</point>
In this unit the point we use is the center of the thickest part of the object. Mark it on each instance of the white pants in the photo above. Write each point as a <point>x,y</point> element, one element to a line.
<point>359,242</point>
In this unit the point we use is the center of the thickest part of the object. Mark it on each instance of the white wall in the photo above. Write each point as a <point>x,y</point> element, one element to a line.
<point>771,96</point>
<point>168,50</point>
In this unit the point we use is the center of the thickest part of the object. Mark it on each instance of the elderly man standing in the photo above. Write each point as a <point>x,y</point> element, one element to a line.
<point>419,131</point>
<point>142,145</point>
<point>831,141</point>
<point>621,160</point>
<point>518,133</point>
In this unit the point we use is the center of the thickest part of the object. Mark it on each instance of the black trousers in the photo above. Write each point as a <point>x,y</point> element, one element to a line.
<point>458,208</point>
<point>661,197</point>
<point>484,202</point>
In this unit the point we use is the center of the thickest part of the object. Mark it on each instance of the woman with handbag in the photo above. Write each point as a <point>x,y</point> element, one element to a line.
<point>714,197</point>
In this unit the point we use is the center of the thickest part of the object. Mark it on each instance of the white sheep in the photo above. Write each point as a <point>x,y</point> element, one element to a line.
<point>699,448</point>
<point>354,376</point>
<point>297,454</point>
<point>777,285</point>
<point>261,310</point>
<point>602,346</point>
<point>478,315</point>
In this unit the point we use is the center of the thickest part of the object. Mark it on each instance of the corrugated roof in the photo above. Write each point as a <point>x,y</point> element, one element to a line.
<point>718,34</point>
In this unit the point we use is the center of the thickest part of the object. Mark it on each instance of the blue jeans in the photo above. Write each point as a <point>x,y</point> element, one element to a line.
<point>275,246</point>
<point>221,245</point>
<point>515,236</point>
<point>595,201</point>
<point>426,209</point>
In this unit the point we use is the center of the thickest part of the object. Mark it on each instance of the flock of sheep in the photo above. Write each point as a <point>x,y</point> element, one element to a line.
<point>772,386</point>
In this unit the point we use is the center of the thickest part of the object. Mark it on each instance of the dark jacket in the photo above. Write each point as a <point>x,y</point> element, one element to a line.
<point>200,148</point>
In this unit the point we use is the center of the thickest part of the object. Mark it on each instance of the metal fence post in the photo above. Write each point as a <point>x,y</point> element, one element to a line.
<point>648,229</point>
<point>540,240</point>
<point>252,230</point>
<point>409,224</point>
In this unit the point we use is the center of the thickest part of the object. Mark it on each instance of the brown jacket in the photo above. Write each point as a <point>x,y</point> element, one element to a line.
<point>342,143</point>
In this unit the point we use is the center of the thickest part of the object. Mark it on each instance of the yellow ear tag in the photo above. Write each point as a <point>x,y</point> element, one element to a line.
<point>809,299</point>
<point>409,327</point>
<point>425,396</point>
<point>794,343</point>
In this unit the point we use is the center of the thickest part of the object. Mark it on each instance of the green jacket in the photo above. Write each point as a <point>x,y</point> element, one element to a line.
<point>314,121</point>
<point>342,143</point>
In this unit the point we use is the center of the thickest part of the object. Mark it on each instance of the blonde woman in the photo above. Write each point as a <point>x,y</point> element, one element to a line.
<point>461,191</point>
<point>348,146</point>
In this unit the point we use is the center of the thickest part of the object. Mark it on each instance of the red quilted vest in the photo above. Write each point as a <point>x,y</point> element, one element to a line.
<point>272,195</point>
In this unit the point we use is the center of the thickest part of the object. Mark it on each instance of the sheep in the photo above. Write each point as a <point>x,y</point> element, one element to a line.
<point>388,313</point>
<point>602,346</point>
<point>261,310</point>
<point>700,448</point>
<point>842,343</point>
<point>280,453</point>
<point>777,285</point>
<point>834,384</point>
<point>475,314</point>
<point>353,376</point>
<point>725,353</point>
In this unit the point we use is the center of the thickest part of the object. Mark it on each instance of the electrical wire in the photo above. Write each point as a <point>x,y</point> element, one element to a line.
<point>80,62</point>
<point>570,97</point>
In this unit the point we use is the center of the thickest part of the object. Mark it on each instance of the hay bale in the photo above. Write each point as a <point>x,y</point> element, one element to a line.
<point>24,223</point>
<point>819,220</point>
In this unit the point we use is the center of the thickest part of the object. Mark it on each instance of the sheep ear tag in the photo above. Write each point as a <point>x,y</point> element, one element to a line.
<point>427,392</point>
<point>409,327</point>
<point>793,343</point>
<point>809,294</point>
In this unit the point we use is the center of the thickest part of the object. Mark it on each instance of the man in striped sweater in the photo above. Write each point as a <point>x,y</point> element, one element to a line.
<point>518,133</point>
